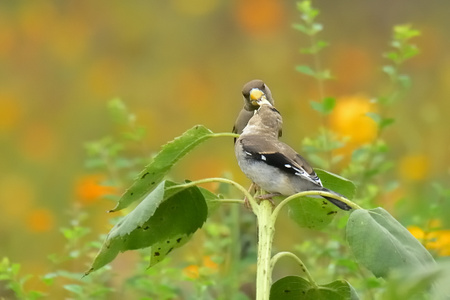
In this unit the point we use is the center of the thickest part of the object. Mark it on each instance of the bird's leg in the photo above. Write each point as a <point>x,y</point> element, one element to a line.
<point>252,190</point>
<point>268,197</point>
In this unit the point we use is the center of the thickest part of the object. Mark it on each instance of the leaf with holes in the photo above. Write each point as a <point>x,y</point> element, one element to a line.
<point>161,164</point>
<point>295,287</point>
<point>317,213</point>
<point>164,220</point>
<point>312,213</point>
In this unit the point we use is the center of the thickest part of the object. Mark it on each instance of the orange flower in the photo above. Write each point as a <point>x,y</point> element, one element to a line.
<point>259,17</point>
<point>192,271</point>
<point>40,220</point>
<point>89,189</point>
<point>209,263</point>
<point>414,167</point>
<point>349,119</point>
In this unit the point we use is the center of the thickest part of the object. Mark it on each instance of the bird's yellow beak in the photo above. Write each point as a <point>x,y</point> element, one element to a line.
<point>255,95</point>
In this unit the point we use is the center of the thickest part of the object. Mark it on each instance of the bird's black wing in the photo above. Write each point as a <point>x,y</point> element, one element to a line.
<point>263,151</point>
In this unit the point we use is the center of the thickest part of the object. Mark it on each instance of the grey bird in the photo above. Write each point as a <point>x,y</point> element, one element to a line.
<point>251,91</point>
<point>272,164</point>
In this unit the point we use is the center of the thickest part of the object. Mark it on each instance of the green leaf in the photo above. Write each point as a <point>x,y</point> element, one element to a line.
<point>404,32</point>
<point>161,164</point>
<point>411,283</point>
<point>385,122</point>
<point>306,70</point>
<point>337,183</point>
<point>405,81</point>
<point>166,217</point>
<point>381,243</point>
<point>374,116</point>
<point>301,28</point>
<point>118,111</point>
<point>324,107</point>
<point>295,287</point>
<point>318,106</point>
<point>328,104</point>
<point>315,28</point>
<point>325,74</point>
<point>74,288</point>
<point>315,213</point>
<point>382,122</point>
<point>311,213</point>
<point>388,69</point>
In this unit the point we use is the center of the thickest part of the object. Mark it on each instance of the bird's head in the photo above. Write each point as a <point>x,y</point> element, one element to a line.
<point>253,91</point>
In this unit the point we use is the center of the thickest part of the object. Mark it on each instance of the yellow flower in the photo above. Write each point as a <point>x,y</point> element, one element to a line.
<point>417,232</point>
<point>438,240</point>
<point>349,119</point>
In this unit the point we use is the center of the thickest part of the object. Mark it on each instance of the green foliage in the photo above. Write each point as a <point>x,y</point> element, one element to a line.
<point>294,287</point>
<point>337,183</point>
<point>325,107</point>
<point>10,279</point>
<point>316,213</point>
<point>154,173</point>
<point>402,49</point>
<point>168,214</point>
<point>311,213</point>
<point>413,282</point>
<point>381,243</point>
<point>164,220</point>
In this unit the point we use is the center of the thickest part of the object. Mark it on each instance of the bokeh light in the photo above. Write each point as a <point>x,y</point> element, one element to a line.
<point>179,63</point>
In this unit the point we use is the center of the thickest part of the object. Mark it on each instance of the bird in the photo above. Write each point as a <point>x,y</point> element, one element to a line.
<point>251,91</point>
<point>271,164</point>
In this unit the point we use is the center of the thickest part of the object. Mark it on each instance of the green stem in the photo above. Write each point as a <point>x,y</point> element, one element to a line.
<point>279,255</point>
<point>253,204</point>
<point>225,134</point>
<point>311,193</point>
<point>266,230</point>
<point>237,201</point>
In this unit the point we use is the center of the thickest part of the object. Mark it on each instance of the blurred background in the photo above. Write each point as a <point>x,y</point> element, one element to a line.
<point>178,63</point>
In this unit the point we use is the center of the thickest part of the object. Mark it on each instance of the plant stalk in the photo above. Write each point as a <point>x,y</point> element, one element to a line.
<point>266,230</point>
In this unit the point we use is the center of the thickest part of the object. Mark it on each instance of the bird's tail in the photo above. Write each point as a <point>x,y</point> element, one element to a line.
<point>338,203</point>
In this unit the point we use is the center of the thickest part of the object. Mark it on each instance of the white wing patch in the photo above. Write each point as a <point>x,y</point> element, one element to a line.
<point>263,157</point>
<point>302,173</point>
